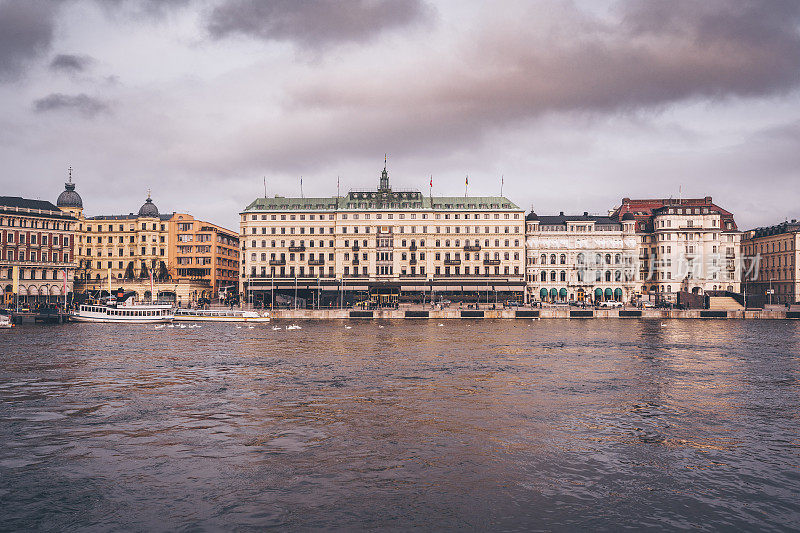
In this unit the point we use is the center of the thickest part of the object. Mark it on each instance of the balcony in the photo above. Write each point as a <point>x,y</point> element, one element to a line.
<point>355,260</point>
<point>356,247</point>
<point>491,262</point>
<point>277,262</point>
<point>412,262</point>
<point>297,248</point>
<point>316,262</point>
<point>456,262</point>
<point>413,248</point>
<point>475,248</point>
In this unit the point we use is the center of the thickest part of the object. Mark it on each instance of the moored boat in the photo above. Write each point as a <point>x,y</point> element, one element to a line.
<point>123,313</point>
<point>219,315</point>
<point>5,322</point>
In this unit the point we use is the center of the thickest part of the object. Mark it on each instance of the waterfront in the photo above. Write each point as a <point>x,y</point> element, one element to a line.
<point>470,424</point>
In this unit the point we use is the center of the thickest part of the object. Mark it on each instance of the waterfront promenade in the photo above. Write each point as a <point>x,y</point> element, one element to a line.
<point>563,312</point>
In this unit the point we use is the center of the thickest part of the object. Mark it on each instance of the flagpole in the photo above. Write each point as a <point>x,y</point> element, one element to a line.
<point>466,183</point>
<point>502,180</point>
<point>301,186</point>
<point>265,187</point>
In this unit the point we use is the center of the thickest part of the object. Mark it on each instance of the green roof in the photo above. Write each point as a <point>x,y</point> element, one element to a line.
<point>384,201</point>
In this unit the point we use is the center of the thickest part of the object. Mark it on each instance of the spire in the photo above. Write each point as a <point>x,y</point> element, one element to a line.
<point>148,195</point>
<point>384,183</point>
<point>70,174</point>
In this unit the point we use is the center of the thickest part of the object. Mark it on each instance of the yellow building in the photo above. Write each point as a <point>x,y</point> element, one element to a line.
<point>771,270</point>
<point>188,259</point>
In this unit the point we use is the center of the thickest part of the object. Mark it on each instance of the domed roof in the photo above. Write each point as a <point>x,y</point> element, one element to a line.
<point>532,216</point>
<point>149,209</point>
<point>69,198</point>
<point>628,216</point>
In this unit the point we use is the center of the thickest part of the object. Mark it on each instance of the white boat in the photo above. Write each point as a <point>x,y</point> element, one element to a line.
<point>5,322</point>
<point>123,313</point>
<point>219,315</point>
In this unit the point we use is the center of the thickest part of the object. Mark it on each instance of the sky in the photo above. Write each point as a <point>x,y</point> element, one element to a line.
<point>572,105</point>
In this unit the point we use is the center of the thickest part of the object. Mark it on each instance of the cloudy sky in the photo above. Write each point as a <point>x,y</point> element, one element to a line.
<point>576,103</point>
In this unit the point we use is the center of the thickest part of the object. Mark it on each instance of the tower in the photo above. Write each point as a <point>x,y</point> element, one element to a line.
<point>70,201</point>
<point>384,183</point>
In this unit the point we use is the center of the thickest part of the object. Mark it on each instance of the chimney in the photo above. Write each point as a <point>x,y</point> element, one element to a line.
<point>586,213</point>
<point>561,213</point>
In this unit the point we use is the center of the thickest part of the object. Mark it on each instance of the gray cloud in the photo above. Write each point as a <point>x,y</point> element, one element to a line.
<point>313,23</point>
<point>26,31</point>
<point>154,8</point>
<point>71,63</point>
<point>84,104</point>
<point>554,58</point>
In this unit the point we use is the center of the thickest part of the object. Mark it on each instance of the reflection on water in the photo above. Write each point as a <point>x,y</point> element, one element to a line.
<point>497,424</point>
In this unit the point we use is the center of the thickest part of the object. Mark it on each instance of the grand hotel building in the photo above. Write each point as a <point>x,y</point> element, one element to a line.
<point>385,245</point>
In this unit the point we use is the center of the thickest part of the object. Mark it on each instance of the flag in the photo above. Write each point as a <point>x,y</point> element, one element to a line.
<point>15,279</point>
<point>466,181</point>
<point>431,181</point>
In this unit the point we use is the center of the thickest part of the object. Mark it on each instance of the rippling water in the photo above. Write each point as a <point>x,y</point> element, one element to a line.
<point>509,425</point>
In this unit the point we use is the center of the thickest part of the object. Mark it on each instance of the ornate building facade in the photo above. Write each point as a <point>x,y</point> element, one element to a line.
<point>170,255</point>
<point>386,245</point>
<point>690,245</point>
<point>36,251</point>
<point>771,258</point>
<point>583,258</point>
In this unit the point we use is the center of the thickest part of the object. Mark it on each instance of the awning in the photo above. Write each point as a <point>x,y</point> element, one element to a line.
<point>617,292</point>
<point>543,293</point>
<point>23,291</point>
<point>553,293</point>
<point>33,290</point>
<point>563,292</point>
<point>55,290</point>
<point>598,293</point>
<point>609,293</point>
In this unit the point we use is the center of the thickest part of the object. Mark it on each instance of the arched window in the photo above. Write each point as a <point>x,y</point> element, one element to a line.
<point>543,259</point>
<point>617,259</point>
<point>618,276</point>
<point>608,259</point>
<point>598,259</point>
<point>608,275</point>
<point>580,276</point>
<point>543,276</point>
<point>581,258</point>
<point>553,275</point>
<point>598,276</point>
<point>552,259</point>
<point>563,276</point>
<point>563,259</point>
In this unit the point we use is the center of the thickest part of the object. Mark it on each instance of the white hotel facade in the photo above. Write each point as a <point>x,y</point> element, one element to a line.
<point>385,245</point>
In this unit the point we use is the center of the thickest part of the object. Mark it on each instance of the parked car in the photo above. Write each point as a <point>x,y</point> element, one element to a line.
<point>646,304</point>
<point>610,304</point>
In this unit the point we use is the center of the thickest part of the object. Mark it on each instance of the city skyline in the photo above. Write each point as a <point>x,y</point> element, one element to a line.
<point>576,104</point>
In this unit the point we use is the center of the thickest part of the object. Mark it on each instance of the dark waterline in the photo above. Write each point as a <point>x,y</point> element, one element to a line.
<point>506,425</point>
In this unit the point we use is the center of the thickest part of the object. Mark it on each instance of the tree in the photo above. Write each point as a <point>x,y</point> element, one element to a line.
<point>129,273</point>
<point>163,273</point>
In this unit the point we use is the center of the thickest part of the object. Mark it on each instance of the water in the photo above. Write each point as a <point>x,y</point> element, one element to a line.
<point>502,425</point>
